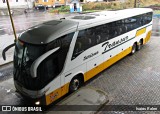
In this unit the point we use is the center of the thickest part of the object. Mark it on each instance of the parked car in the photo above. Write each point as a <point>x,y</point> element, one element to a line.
<point>41,7</point>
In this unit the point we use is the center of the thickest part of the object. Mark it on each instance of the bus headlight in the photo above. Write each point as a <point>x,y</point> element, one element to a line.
<point>37,103</point>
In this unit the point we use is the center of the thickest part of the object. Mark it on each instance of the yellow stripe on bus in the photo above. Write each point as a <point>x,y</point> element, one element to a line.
<point>91,73</point>
<point>148,36</point>
<point>140,32</point>
<point>106,64</point>
<point>56,94</point>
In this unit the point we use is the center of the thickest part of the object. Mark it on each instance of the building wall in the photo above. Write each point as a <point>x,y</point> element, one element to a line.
<point>49,2</point>
<point>17,3</point>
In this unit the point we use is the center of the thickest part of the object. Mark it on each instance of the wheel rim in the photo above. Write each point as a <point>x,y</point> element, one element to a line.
<point>139,46</point>
<point>140,42</point>
<point>75,84</point>
<point>133,49</point>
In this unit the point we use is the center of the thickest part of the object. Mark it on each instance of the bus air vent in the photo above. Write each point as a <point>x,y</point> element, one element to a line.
<point>53,22</point>
<point>94,14</point>
<point>83,17</point>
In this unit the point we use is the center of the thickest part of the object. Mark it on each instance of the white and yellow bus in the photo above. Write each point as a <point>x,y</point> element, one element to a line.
<point>58,56</point>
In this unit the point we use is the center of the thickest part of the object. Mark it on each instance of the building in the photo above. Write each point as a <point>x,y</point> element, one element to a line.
<point>50,3</point>
<point>75,6</point>
<point>17,3</point>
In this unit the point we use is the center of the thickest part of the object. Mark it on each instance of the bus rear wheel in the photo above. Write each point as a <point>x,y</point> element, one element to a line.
<point>75,84</point>
<point>139,46</point>
<point>133,48</point>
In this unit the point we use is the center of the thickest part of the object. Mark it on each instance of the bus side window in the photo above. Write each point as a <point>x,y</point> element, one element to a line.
<point>80,45</point>
<point>148,17</point>
<point>90,37</point>
<point>105,32</point>
<point>86,39</point>
<point>113,32</point>
<point>128,24</point>
<point>119,27</point>
<point>98,34</point>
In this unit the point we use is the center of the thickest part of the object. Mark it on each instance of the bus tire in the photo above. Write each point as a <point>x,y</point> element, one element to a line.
<point>133,48</point>
<point>75,83</point>
<point>139,46</point>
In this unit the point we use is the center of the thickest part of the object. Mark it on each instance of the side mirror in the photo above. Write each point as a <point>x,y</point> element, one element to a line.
<point>37,62</point>
<point>6,49</point>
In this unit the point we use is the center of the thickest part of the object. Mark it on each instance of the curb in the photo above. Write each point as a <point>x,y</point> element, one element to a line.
<point>6,63</point>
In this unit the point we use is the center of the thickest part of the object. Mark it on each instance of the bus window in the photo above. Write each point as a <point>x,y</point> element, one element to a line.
<point>148,18</point>
<point>86,39</point>
<point>112,30</point>
<point>130,22</point>
<point>97,33</point>
<point>90,37</point>
<point>80,45</point>
<point>102,33</point>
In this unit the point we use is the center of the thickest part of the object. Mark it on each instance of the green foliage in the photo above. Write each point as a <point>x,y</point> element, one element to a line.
<point>157,4</point>
<point>96,6</point>
<point>61,9</point>
<point>64,8</point>
<point>102,6</point>
<point>157,12</point>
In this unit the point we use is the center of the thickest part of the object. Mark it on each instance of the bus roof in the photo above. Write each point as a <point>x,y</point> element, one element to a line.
<point>98,18</point>
<point>51,30</point>
<point>48,31</point>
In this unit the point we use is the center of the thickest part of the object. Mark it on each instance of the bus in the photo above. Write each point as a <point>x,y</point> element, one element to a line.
<point>59,56</point>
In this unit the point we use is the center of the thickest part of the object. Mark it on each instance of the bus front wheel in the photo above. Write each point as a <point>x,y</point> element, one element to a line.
<point>133,48</point>
<point>75,84</point>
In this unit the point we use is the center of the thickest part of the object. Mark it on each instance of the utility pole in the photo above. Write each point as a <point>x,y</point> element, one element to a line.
<point>135,2</point>
<point>14,31</point>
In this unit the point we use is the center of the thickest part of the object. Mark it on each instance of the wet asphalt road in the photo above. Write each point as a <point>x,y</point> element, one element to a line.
<point>134,80</point>
<point>25,21</point>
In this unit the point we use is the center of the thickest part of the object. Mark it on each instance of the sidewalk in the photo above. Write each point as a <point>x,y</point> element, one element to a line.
<point>16,11</point>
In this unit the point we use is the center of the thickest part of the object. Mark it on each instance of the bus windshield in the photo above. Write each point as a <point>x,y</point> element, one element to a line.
<point>25,54</point>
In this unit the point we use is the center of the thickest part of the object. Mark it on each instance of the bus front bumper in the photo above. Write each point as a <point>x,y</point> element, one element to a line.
<point>34,97</point>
